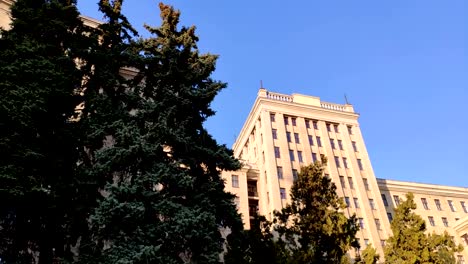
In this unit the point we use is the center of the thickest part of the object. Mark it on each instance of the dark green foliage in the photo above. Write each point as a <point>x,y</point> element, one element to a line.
<point>369,256</point>
<point>39,81</point>
<point>313,226</point>
<point>410,243</point>
<point>164,200</point>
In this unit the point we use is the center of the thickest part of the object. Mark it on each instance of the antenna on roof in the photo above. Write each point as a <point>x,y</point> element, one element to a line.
<point>346,99</point>
<point>261,84</point>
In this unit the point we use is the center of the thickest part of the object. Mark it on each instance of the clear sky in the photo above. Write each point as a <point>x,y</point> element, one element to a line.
<point>403,65</point>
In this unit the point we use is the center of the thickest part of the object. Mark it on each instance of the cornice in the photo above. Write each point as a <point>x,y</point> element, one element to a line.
<point>423,188</point>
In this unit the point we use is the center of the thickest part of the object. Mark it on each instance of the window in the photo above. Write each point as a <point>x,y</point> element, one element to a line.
<point>345,163</point>
<point>396,199</point>
<point>372,204</point>
<point>237,202</point>
<point>286,120</point>
<point>464,207</point>
<point>351,184</point>
<point>437,203</point>
<point>356,202</point>
<point>272,117</point>
<point>384,199</point>
<point>288,136</point>
<point>366,242</point>
<point>315,124</point>
<point>299,157</point>
<point>328,127</point>
<point>296,138</point>
<point>319,142</point>
<point>350,130</point>
<point>359,163</point>
<point>354,146</point>
<point>337,162</point>
<point>283,193</point>
<point>340,144</point>
<point>279,170</point>
<point>291,155</point>
<point>293,121</point>
<point>274,133</point>
<point>332,143</point>
<point>382,243</point>
<point>390,217</point>
<point>361,223</point>
<point>342,181</point>
<point>366,183</point>
<point>277,153</point>
<point>311,140</point>
<point>460,259</point>
<point>452,207</point>
<point>424,203</point>
<point>348,203</point>
<point>307,123</point>
<point>444,220</point>
<point>377,224</point>
<point>235,181</point>
<point>431,220</point>
<point>314,157</point>
<point>295,175</point>
<point>336,128</point>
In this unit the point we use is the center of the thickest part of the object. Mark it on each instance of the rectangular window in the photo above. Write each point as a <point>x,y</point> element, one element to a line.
<point>396,199</point>
<point>291,155</point>
<point>272,117</point>
<point>382,243</point>
<point>277,152</point>
<point>237,202</point>
<point>351,184</point>
<point>390,217</point>
<point>460,259</point>
<point>463,205</point>
<point>348,203</point>
<point>444,220</point>
<point>377,224</point>
<point>424,203</point>
<point>332,143</point>
<point>307,123</point>
<point>356,202</point>
<point>319,142</point>
<point>288,137</point>
<point>366,184</point>
<point>328,127</point>
<point>274,133</point>
<point>336,128</point>
<point>372,204</point>
<point>431,220</point>
<point>286,120</point>
<point>452,207</point>
<point>437,203</point>
<point>345,163</point>
<point>235,181</point>
<point>314,157</point>
<point>340,144</point>
<point>283,193</point>
<point>293,121</point>
<point>359,163</point>
<point>350,130</point>
<point>279,170</point>
<point>354,146</point>
<point>295,175</point>
<point>337,162</point>
<point>311,140</point>
<point>384,199</point>
<point>299,156</point>
<point>361,223</point>
<point>342,181</point>
<point>296,138</point>
<point>315,124</point>
<point>366,242</point>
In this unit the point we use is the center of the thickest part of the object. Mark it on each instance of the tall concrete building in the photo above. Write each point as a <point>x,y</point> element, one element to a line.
<point>284,132</point>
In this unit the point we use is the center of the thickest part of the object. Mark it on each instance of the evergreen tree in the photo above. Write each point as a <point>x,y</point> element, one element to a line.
<point>313,226</point>
<point>164,199</point>
<point>410,243</point>
<point>369,256</point>
<point>39,85</point>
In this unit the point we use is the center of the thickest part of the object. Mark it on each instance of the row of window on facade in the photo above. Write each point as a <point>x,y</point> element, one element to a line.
<point>425,203</point>
<point>309,123</point>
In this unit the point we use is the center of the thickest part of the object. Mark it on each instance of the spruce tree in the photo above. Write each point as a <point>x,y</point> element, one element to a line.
<point>164,199</point>
<point>39,90</point>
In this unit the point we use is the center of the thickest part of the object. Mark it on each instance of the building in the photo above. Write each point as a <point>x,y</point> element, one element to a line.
<point>284,132</point>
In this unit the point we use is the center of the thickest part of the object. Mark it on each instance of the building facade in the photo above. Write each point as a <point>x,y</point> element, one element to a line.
<point>284,132</point>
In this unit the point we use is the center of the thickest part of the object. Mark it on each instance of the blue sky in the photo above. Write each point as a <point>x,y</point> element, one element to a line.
<point>403,65</point>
